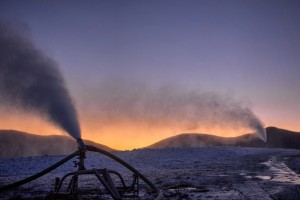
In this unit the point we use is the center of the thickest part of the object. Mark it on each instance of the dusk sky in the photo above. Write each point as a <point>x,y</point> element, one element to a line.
<point>245,50</point>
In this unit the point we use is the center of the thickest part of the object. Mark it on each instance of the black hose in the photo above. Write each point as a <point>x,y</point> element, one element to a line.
<point>125,164</point>
<point>90,148</point>
<point>35,176</point>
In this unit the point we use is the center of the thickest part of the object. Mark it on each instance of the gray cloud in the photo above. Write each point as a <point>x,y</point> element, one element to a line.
<point>169,106</point>
<point>32,81</point>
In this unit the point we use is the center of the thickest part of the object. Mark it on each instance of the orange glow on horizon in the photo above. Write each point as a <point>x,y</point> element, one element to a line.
<point>120,135</point>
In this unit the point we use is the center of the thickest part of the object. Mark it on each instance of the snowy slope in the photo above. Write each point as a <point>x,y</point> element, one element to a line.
<point>183,173</point>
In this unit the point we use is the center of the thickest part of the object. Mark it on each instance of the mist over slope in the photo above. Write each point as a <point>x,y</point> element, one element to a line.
<point>277,138</point>
<point>18,144</point>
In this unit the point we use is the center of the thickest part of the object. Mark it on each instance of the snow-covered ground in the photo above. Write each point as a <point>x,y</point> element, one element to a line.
<point>192,173</point>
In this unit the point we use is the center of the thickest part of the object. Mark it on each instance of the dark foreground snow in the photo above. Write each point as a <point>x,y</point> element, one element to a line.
<point>194,173</point>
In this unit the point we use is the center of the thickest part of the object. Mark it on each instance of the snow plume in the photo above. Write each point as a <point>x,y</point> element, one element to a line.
<point>169,106</point>
<point>32,81</point>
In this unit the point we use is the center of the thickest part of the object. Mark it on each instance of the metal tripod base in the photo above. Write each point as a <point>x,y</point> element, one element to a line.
<point>104,176</point>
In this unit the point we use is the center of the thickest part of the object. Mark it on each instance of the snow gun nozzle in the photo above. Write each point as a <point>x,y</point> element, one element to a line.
<point>81,145</point>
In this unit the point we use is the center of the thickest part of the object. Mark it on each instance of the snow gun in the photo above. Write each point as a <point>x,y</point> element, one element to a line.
<point>115,185</point>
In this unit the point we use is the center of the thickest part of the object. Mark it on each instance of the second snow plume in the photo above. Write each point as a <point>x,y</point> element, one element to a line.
<point>171,107</point>
<point>32,81</point>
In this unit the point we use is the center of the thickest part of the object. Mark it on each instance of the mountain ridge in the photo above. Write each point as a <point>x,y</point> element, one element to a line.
<point>20,144</point>
<point>15,143</point>
<point>276,138</point>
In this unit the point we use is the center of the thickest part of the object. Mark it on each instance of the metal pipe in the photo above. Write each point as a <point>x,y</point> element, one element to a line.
<point>82,149</point>
<point>125,164</point>
<point>81,145</point>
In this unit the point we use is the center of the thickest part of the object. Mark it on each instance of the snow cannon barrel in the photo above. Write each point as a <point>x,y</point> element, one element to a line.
<point>81,145</point>
<point>82,148</point>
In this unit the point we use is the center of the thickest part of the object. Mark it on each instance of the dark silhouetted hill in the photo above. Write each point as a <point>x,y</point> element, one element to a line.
<point>16,144</point>
<point>276,138</point>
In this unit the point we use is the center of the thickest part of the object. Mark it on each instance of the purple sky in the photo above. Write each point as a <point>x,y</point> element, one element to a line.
<point>250,49</point>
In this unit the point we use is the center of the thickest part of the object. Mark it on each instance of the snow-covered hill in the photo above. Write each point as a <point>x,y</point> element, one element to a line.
<point>16,144</point>
<point>277,138</point>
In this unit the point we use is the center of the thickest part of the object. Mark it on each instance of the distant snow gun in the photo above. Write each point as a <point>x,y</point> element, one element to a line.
<point>113,182</point>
